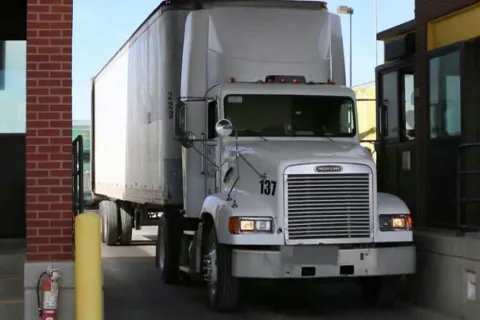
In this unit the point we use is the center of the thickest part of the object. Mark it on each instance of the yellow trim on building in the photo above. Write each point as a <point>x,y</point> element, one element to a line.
<point>458,26</point>
<point>394,37</point>
<point>366,111</point>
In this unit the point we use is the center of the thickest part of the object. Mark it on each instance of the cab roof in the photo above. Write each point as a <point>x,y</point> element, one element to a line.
<point>283,88</point>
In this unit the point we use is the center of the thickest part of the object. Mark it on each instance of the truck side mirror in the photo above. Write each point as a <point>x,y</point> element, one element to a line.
<point>224,127</point>
<point>179,120</point>
<point>188,139</point>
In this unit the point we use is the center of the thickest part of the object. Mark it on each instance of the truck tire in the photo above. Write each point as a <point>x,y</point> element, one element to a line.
<point>381,292</point>
<point>168,247</point>
<point>110,223</point>
<point>223,288</point>
<point>126,227</point>
<point>101,211</point>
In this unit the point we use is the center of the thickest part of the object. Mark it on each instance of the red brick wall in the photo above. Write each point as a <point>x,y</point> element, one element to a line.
<point>49,130</point>
<point>426,10</point>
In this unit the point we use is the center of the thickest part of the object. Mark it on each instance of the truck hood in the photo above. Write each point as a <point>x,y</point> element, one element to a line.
<point>290,152</point>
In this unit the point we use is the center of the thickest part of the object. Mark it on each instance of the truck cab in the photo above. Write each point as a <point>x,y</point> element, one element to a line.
<point>285,190</point>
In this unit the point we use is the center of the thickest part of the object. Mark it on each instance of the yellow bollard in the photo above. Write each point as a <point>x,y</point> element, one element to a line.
<point>88,268</point>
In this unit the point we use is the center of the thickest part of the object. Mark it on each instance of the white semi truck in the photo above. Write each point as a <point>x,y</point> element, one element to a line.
<point>232,119</point>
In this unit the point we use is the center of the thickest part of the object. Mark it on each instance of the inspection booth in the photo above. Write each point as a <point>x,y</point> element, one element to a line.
<point>428,146</point>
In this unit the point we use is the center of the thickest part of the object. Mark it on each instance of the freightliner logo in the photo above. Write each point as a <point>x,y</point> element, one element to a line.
<point>328,169</point>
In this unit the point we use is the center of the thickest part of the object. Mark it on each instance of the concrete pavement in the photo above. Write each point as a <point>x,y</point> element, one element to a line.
<point>133,290</point>
<point>12,260</point>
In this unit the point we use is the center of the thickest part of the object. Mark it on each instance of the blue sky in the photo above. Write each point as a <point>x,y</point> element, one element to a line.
<point>101,27</point>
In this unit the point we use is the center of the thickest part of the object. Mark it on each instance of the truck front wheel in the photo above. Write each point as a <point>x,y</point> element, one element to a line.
<point>223,288</point>
<point>168,247</point>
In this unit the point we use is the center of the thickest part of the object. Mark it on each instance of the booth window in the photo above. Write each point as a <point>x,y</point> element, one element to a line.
<point>445,103</point>
<point>390,104</point>
<point>2,65</point>
<point>13,86</point>
<point>409,107</point>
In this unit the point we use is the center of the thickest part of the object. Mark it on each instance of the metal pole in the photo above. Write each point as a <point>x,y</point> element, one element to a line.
<point>351,55</point>
<point>376,30</point>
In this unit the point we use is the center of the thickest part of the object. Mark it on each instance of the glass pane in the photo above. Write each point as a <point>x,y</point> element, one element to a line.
<point>452,114</point>
<point>13,86</point>
<point>445,102</point>
<point>409,100</point>
<point>84,131</point>
<point>86,161</point>
<point>390,99</point>
<point>291,115</point>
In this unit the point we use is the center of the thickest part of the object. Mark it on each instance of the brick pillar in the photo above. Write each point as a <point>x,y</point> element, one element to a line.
<point>49,130</point>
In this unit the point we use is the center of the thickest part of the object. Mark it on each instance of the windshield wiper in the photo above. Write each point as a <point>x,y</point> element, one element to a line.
<point>326,135</point>
<point>251,132</point>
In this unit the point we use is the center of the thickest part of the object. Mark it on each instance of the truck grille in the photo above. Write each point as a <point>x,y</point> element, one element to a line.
<point>321,206</point>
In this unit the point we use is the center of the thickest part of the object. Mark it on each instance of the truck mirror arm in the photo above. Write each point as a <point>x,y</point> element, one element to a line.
<point>239,155</point>
<point>229,198</point>
<point>260,175</point>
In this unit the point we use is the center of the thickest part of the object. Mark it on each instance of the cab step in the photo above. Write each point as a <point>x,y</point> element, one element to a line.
<point>189,232</point>
<point>184,269</point>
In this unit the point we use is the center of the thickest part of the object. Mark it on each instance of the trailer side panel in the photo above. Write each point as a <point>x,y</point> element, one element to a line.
<point>136,158</point>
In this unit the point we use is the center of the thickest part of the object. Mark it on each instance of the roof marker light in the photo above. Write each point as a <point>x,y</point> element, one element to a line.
<point>284,79</point>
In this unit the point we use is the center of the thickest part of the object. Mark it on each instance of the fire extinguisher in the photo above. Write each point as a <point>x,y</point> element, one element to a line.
<point>47,294</point>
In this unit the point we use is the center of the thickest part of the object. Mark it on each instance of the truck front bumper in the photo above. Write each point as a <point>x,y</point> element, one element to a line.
<point>323,262</point>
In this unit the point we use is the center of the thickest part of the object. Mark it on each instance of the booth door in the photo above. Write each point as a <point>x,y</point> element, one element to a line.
<point>396,150</point>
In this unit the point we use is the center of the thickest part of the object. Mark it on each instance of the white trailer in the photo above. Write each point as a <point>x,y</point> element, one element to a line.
<point>231,118</point>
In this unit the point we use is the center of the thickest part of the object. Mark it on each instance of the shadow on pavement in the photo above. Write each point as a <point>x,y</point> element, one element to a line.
<point>133,290</point>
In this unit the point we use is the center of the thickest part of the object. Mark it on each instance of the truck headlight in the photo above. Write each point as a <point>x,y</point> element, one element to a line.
<point>395,222</point>
<point>238,225</point>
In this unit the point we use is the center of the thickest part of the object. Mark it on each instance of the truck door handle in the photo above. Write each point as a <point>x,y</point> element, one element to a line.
<point>383,120</point>
<point>202,156</point>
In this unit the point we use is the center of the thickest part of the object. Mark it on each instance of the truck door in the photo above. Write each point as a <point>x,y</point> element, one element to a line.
<point>396,131</point>
<point>199,170</point>
<point>192,161</point>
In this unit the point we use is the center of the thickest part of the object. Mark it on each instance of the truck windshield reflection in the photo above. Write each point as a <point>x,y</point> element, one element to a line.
<point>291,115</point>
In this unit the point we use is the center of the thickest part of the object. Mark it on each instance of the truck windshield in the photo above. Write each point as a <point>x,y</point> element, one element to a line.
<point>291,115</point>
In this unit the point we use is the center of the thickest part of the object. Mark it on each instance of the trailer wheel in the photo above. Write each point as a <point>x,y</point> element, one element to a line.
<point>110,222</point>
<point>168,247</point>
<point>223,288</point>
<point>381,292</point>
<point>126,228</point>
